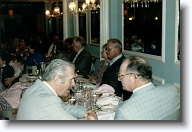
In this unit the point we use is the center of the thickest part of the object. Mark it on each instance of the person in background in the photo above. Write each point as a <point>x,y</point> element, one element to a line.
<point>42,100</point>
<point>63,56</point>
<point>6,70</point>
<point>81,57</point>
<point>114,54</point>
<point>137,47</point>
<point>97,77</point>
<point>148,102</point>
<point>18,65</point>
<point>55,47</point>
<point>68,44</point>
<point>35,56</point>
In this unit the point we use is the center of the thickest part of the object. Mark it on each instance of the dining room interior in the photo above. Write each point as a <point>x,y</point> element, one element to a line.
<point>155,24</point>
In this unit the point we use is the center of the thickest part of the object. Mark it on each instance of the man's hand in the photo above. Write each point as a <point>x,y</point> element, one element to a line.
<point>91,115</point>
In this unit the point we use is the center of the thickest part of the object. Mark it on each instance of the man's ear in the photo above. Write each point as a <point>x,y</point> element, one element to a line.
<point>57,80</point>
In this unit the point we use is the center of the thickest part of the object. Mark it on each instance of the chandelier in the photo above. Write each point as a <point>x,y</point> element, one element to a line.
<point>142,3</point>
<point>86,6</point>
<point>55,12</point>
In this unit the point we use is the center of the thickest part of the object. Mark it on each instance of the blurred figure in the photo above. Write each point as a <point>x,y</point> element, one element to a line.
<point>35,56</point>
<point>97,77</point>
<point>137,47</point>
<point>54,46</point>
<point>148,102</point>
<point>114,54</point>
<point>7,71</point>
<point>18,65</point>
<point>63,56</point>
<point>42,100</point>
<point>68,43</point>
<point>81,57</point>
<point>34,59</point>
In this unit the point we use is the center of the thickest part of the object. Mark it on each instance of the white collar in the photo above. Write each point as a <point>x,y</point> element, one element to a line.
<point>115,59</point>
<point>142,87</point>
<point>49,86</point>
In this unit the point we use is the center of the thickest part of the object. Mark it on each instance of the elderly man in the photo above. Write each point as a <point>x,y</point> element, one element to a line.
<point>114,53</point>
<point>42,102</point>
<point>148,102</point>
<point>81,57</point>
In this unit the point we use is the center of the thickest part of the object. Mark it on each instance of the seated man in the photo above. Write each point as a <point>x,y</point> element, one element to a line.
<point>42,100</point>
<point>148,102</point>
<point>115,55</point>
<point>81,57</point>
<point>7,71</point>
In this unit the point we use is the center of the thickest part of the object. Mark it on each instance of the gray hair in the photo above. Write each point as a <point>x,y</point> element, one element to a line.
<point>56,67</point>
<point>139,66</point>
<point>115,42</point>
<point>62,56</point>
<point>137,47</point>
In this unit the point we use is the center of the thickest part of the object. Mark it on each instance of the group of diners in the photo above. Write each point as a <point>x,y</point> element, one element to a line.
<point>130,77</point>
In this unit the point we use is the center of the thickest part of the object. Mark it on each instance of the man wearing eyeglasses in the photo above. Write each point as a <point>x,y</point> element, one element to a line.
<point>114,54</point>
<point>148,102</point>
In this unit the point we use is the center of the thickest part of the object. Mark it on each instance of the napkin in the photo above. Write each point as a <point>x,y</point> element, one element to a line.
<point>107,100</point>
<point>13,94</point>
<point>105,89</point>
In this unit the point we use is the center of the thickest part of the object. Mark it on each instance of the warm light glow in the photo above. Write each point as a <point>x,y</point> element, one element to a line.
<point>156,18</point>
<point>87,1</point>
<point>10,12</point>
<point>130,18</point>
<point>84,6</point>
<point>56,10</point>
<point>47,12</point>
<point>88,5</point>
<point>93,1</point>
<point>72,6</point>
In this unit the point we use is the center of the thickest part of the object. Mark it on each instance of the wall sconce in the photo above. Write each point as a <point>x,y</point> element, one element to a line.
<point>86,6</point>
<point>55,12</point>
<point>73,7</point>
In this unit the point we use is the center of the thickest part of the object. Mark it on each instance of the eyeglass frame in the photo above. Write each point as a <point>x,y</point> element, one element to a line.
<point>122,75</point>
<point>109,49</point>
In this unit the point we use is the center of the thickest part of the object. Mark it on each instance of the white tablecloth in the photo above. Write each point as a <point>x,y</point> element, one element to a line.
<point>104,115</point>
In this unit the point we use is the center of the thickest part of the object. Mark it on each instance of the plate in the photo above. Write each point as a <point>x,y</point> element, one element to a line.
<point>108,108</point>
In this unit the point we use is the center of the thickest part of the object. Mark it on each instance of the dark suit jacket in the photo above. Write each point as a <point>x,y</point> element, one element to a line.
<point>7,72</point>
<point>82,63</point>
<point>110,77</point>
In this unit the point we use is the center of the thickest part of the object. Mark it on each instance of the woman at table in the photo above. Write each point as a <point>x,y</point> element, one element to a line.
<point>97,77</point>
<point>42,100</point>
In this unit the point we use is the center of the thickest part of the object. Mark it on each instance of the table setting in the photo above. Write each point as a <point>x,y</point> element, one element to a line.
<point>100,99</point>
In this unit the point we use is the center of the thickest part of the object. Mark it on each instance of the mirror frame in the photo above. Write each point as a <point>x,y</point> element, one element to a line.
<point>155,57</point>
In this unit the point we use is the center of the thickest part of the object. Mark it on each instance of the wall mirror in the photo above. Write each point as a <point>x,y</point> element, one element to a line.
<point>95,27</point>
<point>143,26</point>
<point>82,23</point>
<point>89,20</point>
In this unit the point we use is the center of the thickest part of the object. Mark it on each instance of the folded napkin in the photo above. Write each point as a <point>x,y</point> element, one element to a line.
<point>13,94</point>
<point>107,100</point>
<point>105,89</point>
